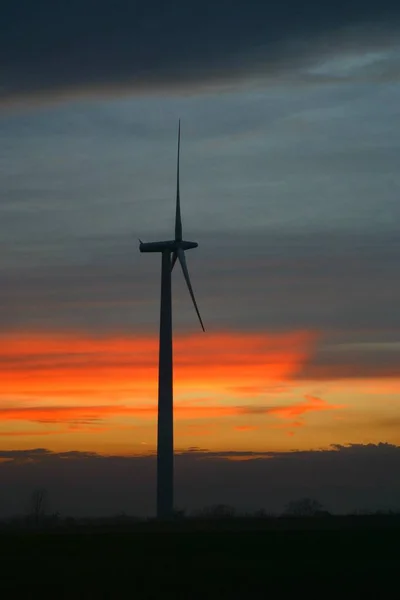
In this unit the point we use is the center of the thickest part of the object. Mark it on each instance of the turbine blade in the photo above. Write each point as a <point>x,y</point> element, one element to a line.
<point>182,260</point>
<point>178,219</point>
<point>174,257</point>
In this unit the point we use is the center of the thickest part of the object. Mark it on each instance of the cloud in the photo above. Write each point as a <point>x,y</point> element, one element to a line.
<point>90,415</point>
<point>254,390</point>
<point>78,415</point>
<point>62,366</point>
<point>307,280</point>
<point>89,382</point>
<point>343,478</point>
<point>72,427</point>
<point>28,432</point>
<point>195,430</point>
<point>65,49</point>
<point>100,418</point>
<point>246,428</point>
<point>311,404</point>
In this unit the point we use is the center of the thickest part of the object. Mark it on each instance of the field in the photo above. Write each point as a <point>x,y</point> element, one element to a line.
<point>226,559</point>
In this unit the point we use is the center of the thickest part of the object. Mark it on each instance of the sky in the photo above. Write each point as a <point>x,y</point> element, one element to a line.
<point>290,120</point>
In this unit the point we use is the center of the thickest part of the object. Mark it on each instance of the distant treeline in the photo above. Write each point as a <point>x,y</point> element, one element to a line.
<point>300,514</point>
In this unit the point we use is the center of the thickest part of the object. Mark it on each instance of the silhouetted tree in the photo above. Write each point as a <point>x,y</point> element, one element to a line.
<point>217,511</point>
<point>305,507</point>
<point>38,505</point>
<point>261,513</point>
<point>179,514</point>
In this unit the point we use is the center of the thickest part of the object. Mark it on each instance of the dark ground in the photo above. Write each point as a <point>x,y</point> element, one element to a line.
<point>334,557</point>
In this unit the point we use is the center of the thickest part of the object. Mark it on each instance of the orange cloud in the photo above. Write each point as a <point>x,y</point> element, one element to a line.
<point>311,404</point>
<point>248,390</point>
<point>196,430</point>
<point>86,415</point>
<point>74,383</point>
<point>90,415</point>
<point>246,428</point>
<point>286,425</point>
<point>27,433</point>
<point>110,368</point>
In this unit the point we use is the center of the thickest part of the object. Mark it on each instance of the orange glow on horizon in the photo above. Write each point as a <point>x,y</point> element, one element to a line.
<point>240,390</point>
<point>92,368</point>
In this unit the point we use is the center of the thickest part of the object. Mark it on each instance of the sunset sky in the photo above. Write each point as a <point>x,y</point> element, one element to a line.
<point>290,183</point>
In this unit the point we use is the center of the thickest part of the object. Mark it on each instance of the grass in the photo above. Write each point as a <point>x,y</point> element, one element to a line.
<point>230,558</point>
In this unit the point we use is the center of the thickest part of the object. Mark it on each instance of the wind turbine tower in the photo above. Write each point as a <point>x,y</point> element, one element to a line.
<point>171,251</point>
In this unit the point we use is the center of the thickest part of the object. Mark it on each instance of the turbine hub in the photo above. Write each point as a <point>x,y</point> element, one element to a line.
<point>168,245</point>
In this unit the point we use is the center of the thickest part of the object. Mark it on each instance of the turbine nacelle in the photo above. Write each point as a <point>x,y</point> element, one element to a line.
<point>166,246</point>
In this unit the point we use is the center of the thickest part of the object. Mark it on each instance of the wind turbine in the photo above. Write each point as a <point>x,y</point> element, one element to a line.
<point>171,251</point>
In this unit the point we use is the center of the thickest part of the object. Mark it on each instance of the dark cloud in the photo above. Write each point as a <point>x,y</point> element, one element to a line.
<point>55,46</point>
<point>330,283</point>
<point>340,285</point>
<point>344,478</point>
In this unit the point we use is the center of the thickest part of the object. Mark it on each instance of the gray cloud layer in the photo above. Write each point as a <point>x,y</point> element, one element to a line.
<point>291,193</point>
<point>281,281</point>
<point>55,46</point>
<point>336,285</point>
<point>343,478</point>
